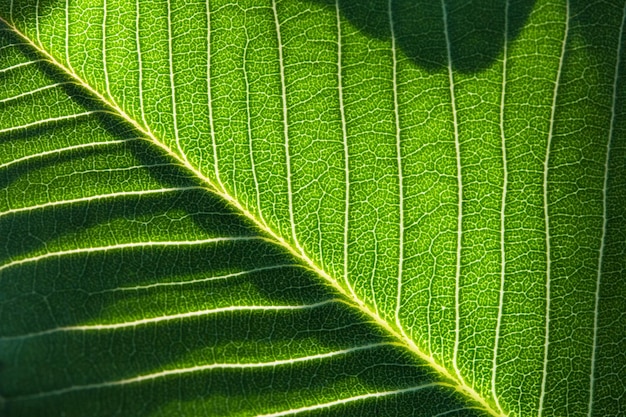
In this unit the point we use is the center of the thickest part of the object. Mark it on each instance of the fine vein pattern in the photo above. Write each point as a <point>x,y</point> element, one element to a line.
<point>423,202</point>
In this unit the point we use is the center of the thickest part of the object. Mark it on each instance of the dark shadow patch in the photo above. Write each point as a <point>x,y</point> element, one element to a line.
<point>476,30</point>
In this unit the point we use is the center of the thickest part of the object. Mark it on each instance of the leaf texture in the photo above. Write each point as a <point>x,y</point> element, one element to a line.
<point>454,171</point>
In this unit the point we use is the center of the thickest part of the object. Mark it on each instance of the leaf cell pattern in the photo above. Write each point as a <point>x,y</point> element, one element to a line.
<point>186,174</point>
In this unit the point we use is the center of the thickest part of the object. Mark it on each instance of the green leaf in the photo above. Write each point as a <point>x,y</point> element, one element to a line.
<point>312,207</point>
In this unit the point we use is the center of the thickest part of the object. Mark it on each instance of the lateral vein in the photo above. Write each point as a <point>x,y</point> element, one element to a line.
<point>355,398</point>
<point>160,319</point>
<point>170,55</point>
<point>20,65</point>
<point>505,175</point>
<point>346,153</point>
<point>202,368</point>
<point>66,149</point>
<point>96,198</point>
<point>457,146</point>
<point>399,163</point>
<point>122,246</point>
<point>54,120</point>
<point>283,88</point>
<point>195,281</point>
<point>605,185</point>
<point>546,168</point>
<point>249,130</point>
<point>32,92</point>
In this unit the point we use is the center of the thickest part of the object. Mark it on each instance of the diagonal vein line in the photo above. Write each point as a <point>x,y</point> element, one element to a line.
<point>38,35</point>
<point>11,45</point>
<point>605,185</point>
<point>249,128</point>
<point>67,35</point>
<point>546,167</point>
<point>196,281</point>
<point>505,176</point>
<point>20,65</point>
<point>356,398</point>
<point>202,368</point>
<point>210,99</point>
<point>456,411</point>
<point>399,163</point>
<point>32,92</point>
<point>162,319</point>
<point>140,66</point>
<point>104,50</point>
<point>97,198</point>
<point>172,81</point>
<point>346,153</point>
<point>457,145</point>
<point>53,120</point>
<point>66,149</point>
<point>122,246</point>
<point>283,89</point>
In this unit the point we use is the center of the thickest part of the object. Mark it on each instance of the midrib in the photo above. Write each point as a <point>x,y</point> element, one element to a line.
<point>397,333</point>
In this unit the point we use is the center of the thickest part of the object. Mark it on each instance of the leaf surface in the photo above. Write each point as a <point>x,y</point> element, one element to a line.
<point>454,172</point>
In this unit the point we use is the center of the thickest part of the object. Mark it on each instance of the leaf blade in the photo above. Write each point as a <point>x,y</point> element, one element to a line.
<point>477,220</point>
